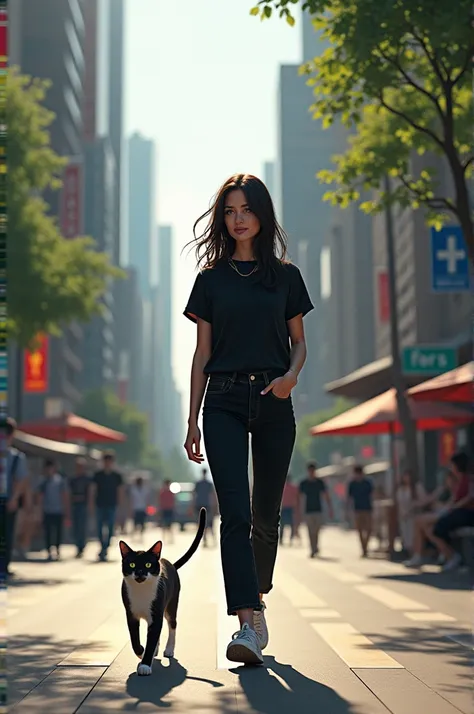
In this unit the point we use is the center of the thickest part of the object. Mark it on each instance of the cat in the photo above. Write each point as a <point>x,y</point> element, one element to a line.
<point>150,591</point>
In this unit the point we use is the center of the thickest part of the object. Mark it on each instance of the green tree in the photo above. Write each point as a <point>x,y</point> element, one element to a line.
<point>320,448</point>
<point>398,74</point>
<point>51,280</point>
<point>104,407</point>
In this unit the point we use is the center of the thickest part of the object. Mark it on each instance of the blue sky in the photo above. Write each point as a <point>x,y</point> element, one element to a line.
<point>201,80</point>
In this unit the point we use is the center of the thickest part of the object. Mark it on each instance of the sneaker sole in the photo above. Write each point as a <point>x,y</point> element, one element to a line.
<point>242,654</point>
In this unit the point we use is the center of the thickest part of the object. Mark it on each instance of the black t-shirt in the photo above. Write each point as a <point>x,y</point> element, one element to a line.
<point>107,488</point>
<point>361,494</point>
<point>313,488</point>
<point>249,321</point>
<point>79,488</point>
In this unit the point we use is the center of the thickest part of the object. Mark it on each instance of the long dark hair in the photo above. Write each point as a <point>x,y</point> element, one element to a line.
<point>215,243</point>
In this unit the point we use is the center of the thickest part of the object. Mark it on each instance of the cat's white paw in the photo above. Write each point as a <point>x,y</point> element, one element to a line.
<point>168,652</point>
<point>143,670</point>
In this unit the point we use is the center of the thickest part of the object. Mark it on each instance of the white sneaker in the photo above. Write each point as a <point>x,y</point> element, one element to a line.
<point>415,562</point>
<point>260,625</point>
<point>245,647</point>
<point>452,563</point>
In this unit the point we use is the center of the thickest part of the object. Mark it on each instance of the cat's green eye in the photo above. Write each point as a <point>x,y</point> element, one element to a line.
<point>132,565</point>
<point>147,565</point>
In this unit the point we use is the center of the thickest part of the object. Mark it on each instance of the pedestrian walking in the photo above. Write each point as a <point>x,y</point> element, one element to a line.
<point>289,510</point>
<point>312,491</point>
<point>204,497</point>
<point>106,495</point>
<point>166,509</point>
<point>139,497</point>
<point>15,491</point>
<point>79,486</point>
<point>360,502</point>
<point>54,506</point>
<point>248,302</point>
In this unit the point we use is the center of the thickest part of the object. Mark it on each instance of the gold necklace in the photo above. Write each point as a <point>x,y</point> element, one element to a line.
<point>243,275</point>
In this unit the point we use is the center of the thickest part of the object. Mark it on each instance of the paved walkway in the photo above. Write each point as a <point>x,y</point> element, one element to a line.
<point>347,636</point>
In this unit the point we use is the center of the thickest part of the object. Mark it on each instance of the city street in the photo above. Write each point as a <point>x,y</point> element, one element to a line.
<point>347,636</point>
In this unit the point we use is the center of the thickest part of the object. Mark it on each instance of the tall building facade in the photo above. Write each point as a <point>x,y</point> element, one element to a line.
<point>102,129</point>
<point>141,209</point>
<point>129,338</point>
<point>168,421</point>
<point>59,27</point>
<point>424,317</point>
<point>304,148</point>
<point>116,57</point>
<point>142,254</point>
<point>99,349</point>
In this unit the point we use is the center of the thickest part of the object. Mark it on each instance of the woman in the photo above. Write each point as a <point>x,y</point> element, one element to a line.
<point>248,303</point>
<point>440,501</point>
<point>407,498</point>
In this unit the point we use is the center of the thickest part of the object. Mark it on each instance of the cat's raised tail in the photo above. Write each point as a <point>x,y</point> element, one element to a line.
<point>194,545</point>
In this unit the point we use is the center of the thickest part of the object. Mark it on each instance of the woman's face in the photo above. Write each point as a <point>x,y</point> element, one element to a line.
<point>242,224</point>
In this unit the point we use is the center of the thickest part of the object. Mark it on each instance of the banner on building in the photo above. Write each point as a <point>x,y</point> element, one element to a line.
<point>447,443</point>
<point>71,201</point>
<point>36,367</point>
<point>383,296</point>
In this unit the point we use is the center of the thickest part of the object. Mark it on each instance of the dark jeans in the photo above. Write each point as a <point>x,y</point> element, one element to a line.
<point>457,518</point>
<point>79,525</point>
<point>53,529</point>
<point>233,409</point>
<point>105,525</point>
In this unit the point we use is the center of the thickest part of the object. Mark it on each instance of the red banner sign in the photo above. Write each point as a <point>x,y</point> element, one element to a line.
<point>3,38</point>
<point>383,296</point>
<point>446,445</point>
<point>71,201</point>
<point>36,367</point>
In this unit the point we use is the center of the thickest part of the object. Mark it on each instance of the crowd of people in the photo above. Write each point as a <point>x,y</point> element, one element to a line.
<point>425,521</point>
<point>63,508</point>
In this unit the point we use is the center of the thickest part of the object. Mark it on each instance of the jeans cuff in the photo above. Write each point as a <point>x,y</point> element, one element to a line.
<point>251,606</point>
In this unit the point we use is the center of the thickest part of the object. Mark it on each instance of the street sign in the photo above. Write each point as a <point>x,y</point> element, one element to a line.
<point>450,270</point>
<point>429,360</point>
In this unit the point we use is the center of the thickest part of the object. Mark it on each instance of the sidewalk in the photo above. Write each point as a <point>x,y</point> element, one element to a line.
<point>347,636</point>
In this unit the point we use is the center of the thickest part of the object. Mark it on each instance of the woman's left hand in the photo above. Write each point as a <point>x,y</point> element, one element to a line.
<point>282,386</point>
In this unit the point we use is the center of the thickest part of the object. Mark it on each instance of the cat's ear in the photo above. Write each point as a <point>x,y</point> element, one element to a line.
<point>124,548</point>
<point>156,549</point>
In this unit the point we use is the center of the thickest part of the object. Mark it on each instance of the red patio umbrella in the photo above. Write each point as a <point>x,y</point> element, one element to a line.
<point>71,427</point>
<point>380,416</point>
<point>454,386</point>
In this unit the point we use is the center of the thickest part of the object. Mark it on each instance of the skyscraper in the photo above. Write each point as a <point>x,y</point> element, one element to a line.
<point>304,148</point>
<point>59,27</point>
<point>141,210</point>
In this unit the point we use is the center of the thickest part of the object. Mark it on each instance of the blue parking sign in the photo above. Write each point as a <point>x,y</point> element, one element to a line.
<point>450,269</point>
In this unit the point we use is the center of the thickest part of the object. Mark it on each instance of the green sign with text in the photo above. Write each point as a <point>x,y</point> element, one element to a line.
<point>428,360</point>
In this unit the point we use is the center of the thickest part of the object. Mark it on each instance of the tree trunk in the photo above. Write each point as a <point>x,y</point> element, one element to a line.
<point>463,200</point>
<point>404,414</point>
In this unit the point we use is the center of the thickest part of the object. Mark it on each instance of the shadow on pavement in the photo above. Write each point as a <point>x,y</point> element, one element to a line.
<point>32,658</point>
<point>441,642</point>
<point>441,581</point>
<point>161,682</point>
<point>19,582</point>
<point>299,695</point>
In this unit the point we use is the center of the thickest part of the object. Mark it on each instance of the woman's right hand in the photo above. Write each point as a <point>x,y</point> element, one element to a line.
<point>192,444</point>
